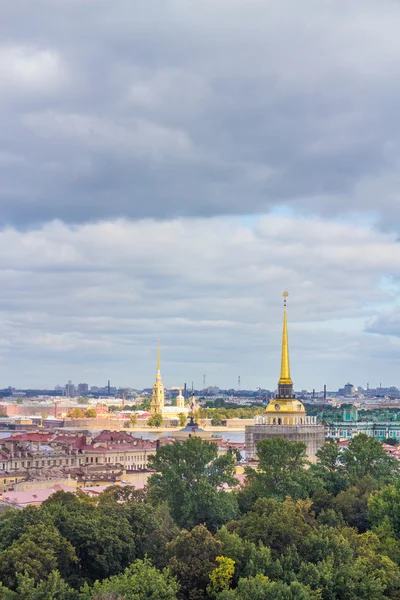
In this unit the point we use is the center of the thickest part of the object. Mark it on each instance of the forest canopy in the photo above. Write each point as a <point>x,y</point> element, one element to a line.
<point>294,531</point>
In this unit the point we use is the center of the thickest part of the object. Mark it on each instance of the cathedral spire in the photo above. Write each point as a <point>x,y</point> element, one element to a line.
<point>285,383</point>
<point>157,398</point>
<point>285,364</point>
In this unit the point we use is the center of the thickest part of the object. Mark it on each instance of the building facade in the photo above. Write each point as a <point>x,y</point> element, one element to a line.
<point>51,451</point>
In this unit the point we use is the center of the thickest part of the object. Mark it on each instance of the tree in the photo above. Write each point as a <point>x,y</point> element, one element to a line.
<point>277,524</point>
<point>90,413</point>
<point>281,472</point>
<point>221,577</point>
<point>52,588</point>
<point>216,419</point>
<point>14,522</point>
<point>353,503</point>
<point>140,580</point>
<point>384,507</point>
<point>36,554</point>
<point>133,420</point>
<point>155,421</point>
<point>192,558</point>
<point>101,535</point>
<point>182,419</point>
<point>366,456</point>
<point>188,477</point>
<point>330,469</point>
<point>261,588</point>
<point>145,404</point>
<point>250,558</point>
<point>83,400</point>
<point>76,413</point>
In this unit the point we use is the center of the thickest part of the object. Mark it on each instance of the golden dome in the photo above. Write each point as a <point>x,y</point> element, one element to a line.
<point>285,407</point>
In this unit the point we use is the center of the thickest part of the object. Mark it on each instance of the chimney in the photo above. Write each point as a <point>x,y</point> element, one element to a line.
<point>325,391</point>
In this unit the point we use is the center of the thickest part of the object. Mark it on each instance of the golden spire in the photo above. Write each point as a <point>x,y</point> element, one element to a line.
<point>158,360</point>
<point>285,365</point>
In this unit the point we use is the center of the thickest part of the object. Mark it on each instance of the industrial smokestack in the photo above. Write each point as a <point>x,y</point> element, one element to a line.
<point>325,391</point>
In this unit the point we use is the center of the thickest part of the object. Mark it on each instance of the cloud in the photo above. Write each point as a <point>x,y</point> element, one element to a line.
<point>114,110</point>
<point>90,301</point>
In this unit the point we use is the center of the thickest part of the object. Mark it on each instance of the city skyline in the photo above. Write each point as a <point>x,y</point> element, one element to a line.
<point>166,174</point>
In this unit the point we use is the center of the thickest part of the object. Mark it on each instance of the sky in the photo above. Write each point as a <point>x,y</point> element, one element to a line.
<point>168,169</point>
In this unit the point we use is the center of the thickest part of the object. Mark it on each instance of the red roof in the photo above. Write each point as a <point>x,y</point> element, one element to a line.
<point>29,437</point>
<point>113,436</point>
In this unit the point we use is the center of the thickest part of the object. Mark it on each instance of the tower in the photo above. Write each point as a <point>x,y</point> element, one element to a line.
<point>285,416</point>
<point>286,409</point>
<point>157,398</point>
<point>180,400</point>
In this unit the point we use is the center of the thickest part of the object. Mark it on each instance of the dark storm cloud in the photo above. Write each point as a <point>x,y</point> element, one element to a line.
<point>112,109</point>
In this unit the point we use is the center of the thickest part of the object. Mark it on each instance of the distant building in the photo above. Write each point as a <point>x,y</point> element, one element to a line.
<point>70,389</point>
<point>348,389</point>
<point>83,389</point>
<point>347,425</point>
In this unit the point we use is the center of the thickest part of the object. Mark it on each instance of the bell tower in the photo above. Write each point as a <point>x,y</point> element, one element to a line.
<point>157,398</point>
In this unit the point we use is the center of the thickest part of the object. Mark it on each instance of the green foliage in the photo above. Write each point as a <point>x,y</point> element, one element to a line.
<point>192,558</point>
<point>90,413</point>
<point>76,413</point>
<point>155,421</point>
<point>182,419</point>
<point>221,577</point>
<point>83,400</point>
<point>277,524</point>
<point>14,523</point>
<point>250,559</point>
<point>261,588</point>
<point>352,503</point>
<point>101,535</point>
<point>384,508</point>
<point>145,404</point>
<point>281,472</point>
<point>330,469</point>
<point>342,542</point>
<point>36,553</point>
<point>52,588</point>
<point>139,581</point>
<point>366,456</point>
<point>188,477</point>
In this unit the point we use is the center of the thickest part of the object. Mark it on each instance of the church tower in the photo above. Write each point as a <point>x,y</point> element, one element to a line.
<point>180,400</point>
<point>285,417</point>
<point>287,409</point>
<point>157,398</point>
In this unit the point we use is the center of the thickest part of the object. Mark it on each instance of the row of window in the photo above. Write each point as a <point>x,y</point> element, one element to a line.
<point>139,460</point>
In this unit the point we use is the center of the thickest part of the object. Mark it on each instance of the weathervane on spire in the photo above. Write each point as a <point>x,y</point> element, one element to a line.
<point>285,295</point>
